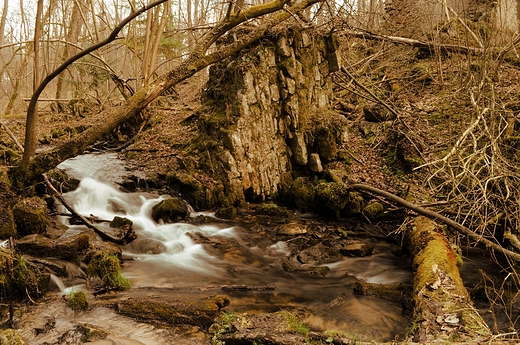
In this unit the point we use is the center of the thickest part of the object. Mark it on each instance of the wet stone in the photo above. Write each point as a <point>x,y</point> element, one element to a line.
<point>319,254</point>
<point>292,229</point>
<point>357,249</point>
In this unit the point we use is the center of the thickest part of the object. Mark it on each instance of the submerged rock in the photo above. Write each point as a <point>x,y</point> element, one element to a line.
<point>201,313</point>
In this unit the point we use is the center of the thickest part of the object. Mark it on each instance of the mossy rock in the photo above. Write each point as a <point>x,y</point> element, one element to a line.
<point>345,157</point>
<point>355,205</point>
<point>11,337</point>
<point>374,210</point>
<point>229,212</point>
<point>325,145</point>
<point>201,196</point>
<point>120,223</point>
<point>67,248</point>
<point>30,216</point>
<point>7,223</point>
<point>66,183</point>
<point>332,198</point>
<point>357,249</point>
<point>303,194</point>
<point>78,301</point>
<point>200,313</point>
<point>108,268</point>
<point>18,280</point>
<point>170,210</point>
<point>272,209</point>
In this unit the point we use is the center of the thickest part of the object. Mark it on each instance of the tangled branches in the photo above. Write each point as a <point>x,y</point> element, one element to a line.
<point>480,173</point>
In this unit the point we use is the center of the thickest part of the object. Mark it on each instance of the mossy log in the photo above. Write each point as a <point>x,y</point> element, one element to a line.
<point>443,308</point>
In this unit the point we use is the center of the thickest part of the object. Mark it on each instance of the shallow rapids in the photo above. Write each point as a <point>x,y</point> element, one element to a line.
<point>166,258</point>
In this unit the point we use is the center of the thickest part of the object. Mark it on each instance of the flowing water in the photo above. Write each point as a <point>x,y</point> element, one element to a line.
<point>166,259</point>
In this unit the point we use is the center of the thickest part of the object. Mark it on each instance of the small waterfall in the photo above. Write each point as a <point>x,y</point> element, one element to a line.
<point>56,284</point>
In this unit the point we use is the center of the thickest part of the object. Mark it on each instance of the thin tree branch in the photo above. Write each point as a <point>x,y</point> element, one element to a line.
<point>436,216</point>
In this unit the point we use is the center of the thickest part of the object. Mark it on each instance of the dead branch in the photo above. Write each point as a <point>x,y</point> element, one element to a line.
<point>450,48</point>
<point>436,216</point>
<point>128,236</point>
<point>11,135</point>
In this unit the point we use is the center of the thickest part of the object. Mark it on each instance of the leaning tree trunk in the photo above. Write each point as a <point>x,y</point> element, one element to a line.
<point>194,63</point>
<point>443,310</point>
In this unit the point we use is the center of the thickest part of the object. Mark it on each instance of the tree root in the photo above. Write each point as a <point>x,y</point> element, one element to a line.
<point>438,217</point>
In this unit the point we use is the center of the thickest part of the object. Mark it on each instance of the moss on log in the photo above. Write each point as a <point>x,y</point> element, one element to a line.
<point>443,308</point>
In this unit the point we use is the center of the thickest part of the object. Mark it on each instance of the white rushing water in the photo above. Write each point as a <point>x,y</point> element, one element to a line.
<point>170,242</point>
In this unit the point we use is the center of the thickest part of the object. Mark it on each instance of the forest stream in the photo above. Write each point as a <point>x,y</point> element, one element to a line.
<point>170,260</point>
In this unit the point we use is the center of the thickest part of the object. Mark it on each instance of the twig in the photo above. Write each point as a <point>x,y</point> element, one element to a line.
<point>436,216</point>
<point>128,236</point>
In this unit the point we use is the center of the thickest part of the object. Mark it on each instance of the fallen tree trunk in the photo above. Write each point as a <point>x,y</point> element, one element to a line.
<point>194,63</point>
<point>443,310</point>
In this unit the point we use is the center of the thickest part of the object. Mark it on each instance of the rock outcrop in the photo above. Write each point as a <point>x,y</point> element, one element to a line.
<point>268,113</point>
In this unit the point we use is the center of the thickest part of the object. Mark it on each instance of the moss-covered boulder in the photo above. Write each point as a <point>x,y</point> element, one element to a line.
<point>30,216</point>
<point>332,198</point>
<point>107,268</point>
<point>60,178</point>
<point>170,210</point>
<point>10,337</point>
<point>272,209</point>
<point>355,205</point>
<point>77,301</point>
<point>200,195</point>
<point>302,194</point>
<point>7,224</point>
<point>325,144</point>
<point>229,212</point>
<point>200,313</point>
<point>18,280</point>
<point>374,210</point>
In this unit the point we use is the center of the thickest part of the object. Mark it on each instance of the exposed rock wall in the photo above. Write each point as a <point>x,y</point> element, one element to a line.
<point>266,104</point>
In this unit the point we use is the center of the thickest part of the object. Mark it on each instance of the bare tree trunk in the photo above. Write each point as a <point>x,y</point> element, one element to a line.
<point>3,20</point>
<point>73,31</point>
<point>194,63</point>
<point>30,127</point>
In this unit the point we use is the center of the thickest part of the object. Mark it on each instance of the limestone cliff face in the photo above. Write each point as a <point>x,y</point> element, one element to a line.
<point>269,99</point>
